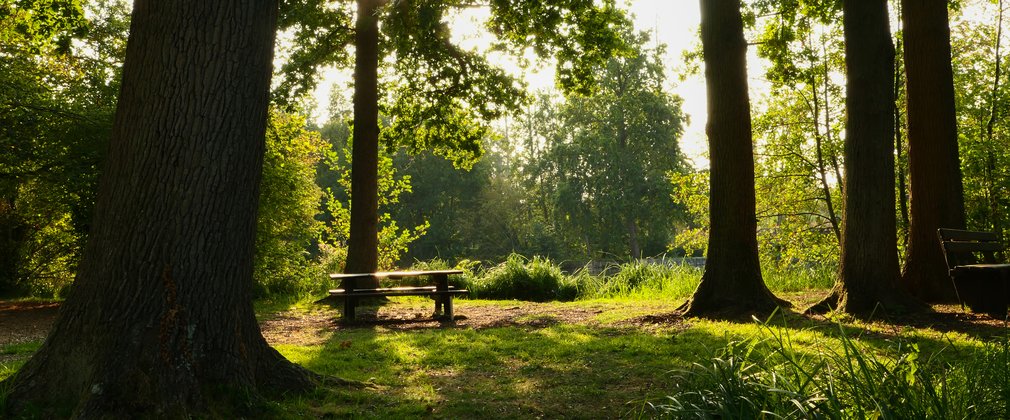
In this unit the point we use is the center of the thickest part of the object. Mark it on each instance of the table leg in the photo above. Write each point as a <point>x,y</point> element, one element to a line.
<point>448,307</point>
<point>349,304</point>
<point>442,285</point>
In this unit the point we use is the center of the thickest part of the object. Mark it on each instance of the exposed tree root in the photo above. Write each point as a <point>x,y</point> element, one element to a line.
<point>868,304</point>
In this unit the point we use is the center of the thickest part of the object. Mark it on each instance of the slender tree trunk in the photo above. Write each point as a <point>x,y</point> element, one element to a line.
<point>160,323</point>
<point>732,283</point>
<point>994,189</point>
<point>822,170</point>
<point>868,272</point>
<point>900,155</point>
<point>835,166</point>
<point>633,246</point>
<point>937,195</point>
<point>363,243</point>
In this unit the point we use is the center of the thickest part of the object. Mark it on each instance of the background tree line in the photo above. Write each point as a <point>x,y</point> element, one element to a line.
<point>573,177</point>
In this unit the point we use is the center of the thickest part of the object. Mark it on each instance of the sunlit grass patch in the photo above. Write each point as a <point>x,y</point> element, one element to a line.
<point>13,356</point>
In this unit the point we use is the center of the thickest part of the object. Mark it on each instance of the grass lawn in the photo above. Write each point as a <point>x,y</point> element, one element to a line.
<point>584,359</point>
<point>587,359</point>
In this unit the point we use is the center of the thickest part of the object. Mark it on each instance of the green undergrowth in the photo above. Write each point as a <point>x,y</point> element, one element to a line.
<point>12,357</point>
<point>541,279</point>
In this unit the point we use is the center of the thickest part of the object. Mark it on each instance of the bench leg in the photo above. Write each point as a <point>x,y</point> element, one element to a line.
<point>442,285</point>
<point>349,304</point>
<point>448,307</point>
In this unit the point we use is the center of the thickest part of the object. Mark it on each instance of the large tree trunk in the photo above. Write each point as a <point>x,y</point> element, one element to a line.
<point>937,195</point>
<point>363,244</point>
<point>732,283</point>
<point>160,322</point>
<point>868,273</point>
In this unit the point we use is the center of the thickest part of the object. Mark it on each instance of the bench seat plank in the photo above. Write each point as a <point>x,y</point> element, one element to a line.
<point>367,293</point>
<point>394,274</point>
<point>971,267</point>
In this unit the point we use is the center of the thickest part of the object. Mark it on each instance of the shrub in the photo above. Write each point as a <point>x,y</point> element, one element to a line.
<point>538,280</point>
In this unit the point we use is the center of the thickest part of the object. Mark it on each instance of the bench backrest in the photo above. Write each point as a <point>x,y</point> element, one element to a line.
<point>962,247</point>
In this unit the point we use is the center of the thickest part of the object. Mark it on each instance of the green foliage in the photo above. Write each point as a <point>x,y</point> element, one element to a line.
<point>444,96</point>
<point>335,177</point>
<point>691,192</point>
<point>606,161</point>
<point>981,102</point>
<point>798,277</point>
<point>639,280</point>
<point>289,201</point>
<point>39,26</point>
<point>58,84</point>
<point>319,34</point>
<point>537,280</point>
<point>580,34</point>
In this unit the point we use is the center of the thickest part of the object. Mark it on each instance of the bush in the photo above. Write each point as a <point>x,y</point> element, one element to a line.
<point>538,280</point>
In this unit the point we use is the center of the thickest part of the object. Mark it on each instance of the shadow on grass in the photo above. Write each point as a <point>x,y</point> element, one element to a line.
<point>541,366</point>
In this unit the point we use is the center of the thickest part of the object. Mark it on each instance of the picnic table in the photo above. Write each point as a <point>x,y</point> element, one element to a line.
<point>438,288</point>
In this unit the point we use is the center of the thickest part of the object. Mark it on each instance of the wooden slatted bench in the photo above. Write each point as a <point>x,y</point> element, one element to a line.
<point>439,289</point>
<point>981,283</point>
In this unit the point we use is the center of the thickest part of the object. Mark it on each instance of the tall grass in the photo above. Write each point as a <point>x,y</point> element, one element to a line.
<point>537,280</point>
<point>540,279</point>
<point>768,378</point>
<point>642,280</point>
<point>798,278</point>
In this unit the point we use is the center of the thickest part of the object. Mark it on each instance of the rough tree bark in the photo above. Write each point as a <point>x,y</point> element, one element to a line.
<point>732,283</point>
<point>868,273</point>
<point>936,192</point>
<point>160,322</point>
<point>363,243</point>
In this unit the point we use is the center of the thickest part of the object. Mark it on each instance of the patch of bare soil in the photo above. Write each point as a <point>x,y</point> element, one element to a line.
<point>951,318</point>
<point>315,327</point>
<point>664,321</point>
<point>25,321</point>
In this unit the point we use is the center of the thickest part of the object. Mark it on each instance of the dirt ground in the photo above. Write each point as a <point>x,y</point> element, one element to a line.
<point>25,321</point>
<point>30,321</point>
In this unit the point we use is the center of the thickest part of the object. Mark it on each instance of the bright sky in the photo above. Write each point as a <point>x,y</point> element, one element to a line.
<point>672,22</point>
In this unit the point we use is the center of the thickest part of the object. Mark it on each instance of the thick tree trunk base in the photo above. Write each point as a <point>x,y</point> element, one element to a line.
<point>868,305</point>
<point>140,388</point>
<point>933,286</point>
<point>737,303</point>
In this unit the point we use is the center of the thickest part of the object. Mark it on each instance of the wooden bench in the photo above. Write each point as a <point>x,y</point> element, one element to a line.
<point>439,289</point>
<point>981,283</point>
